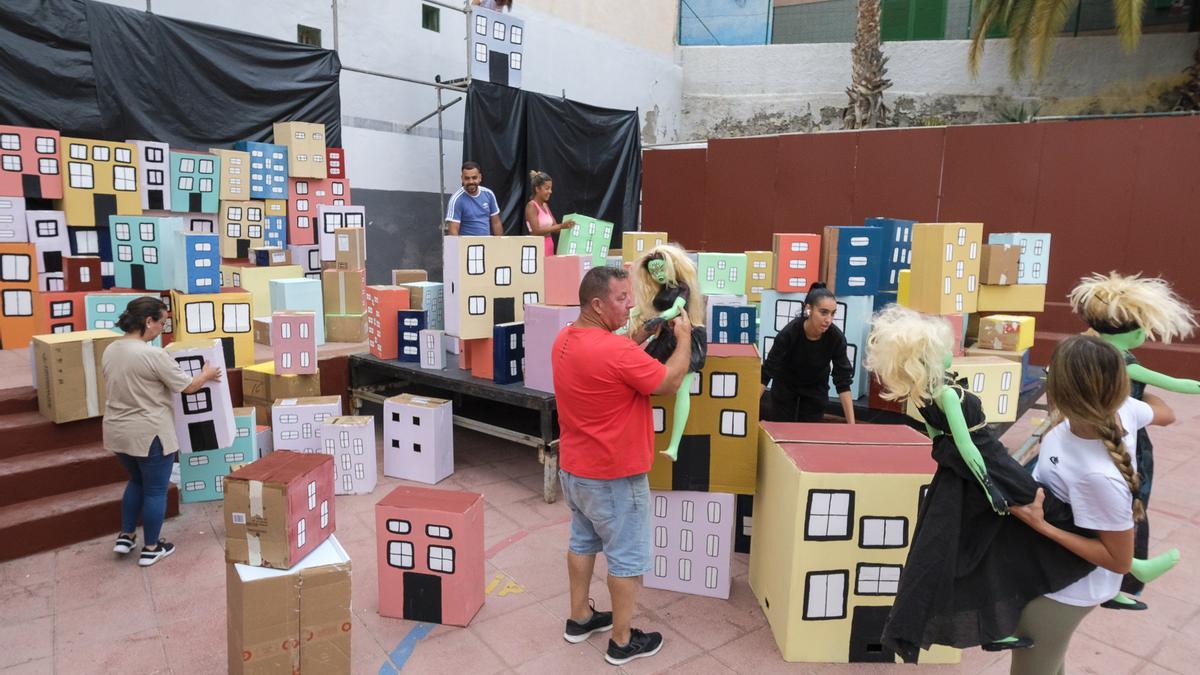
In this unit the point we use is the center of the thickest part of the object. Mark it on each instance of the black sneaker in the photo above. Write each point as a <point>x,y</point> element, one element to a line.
<point>578,632</point>
<point>125,543</point>
<point>148,557</point>
<point>640,644</point>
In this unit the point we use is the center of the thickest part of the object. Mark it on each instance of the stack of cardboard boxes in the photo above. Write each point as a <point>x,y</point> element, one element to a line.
<point>343,286</point>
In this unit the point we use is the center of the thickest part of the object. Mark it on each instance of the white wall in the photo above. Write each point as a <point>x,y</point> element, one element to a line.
<point>764,89</point>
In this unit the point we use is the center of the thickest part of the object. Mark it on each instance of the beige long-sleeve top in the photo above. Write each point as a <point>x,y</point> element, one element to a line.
<point>141,381</point>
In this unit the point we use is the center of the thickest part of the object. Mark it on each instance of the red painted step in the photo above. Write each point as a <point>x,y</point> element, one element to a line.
<point>50,522</point>
<point>18,399</point>
<point>28,432</point>
<point>36,475</point>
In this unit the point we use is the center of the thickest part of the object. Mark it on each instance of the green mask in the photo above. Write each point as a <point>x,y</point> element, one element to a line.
<point>658,270</point>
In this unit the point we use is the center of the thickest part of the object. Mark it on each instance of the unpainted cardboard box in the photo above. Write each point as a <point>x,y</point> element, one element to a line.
<point>70,381</point>
<point>261,386</point>
<point>346,327</point>
<point>999,264</point>
<point>279,509</point>
<point>293,621</point>
<point>406,276</point>
<point>1006,332</point>
<point>262,330</point>
<point>350,248</point>
<point>342,291</point>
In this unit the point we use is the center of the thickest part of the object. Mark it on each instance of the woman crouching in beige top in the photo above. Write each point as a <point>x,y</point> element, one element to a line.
<point>139,425</point>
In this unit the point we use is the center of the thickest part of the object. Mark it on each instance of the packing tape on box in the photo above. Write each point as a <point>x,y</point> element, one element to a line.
<point>341,292</point>
<point>256,500</point>
<point>253,542</point>
<point>253,549</point>
<point>91,392</point>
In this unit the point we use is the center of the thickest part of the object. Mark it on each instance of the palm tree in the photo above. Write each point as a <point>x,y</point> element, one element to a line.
<point>866,109</point>
<point>1032,26</point>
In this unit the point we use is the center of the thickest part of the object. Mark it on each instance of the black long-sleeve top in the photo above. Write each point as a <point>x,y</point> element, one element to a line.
<point>799,366</point>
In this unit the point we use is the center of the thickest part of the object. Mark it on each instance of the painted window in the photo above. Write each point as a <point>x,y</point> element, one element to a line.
<point>733,423</point>
<point>825,595</point>
<point>397,526</point>
<point>877,579</point>
<point>200,317</point>
<point>528,260</point>
<point>830,514</point>
<point>81,175</point>
<point>877,532</point>
<point>441,559</point>
<point>475,259</point>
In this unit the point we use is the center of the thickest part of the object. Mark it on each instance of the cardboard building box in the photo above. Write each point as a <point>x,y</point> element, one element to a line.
<point>1015,298</point>
<point>636,244</point>
<point>291,621</point>
<point>204,419</point>
<point>300,295</point>
<point>350,248</point>
<point>381,304</point>
<point>418,438</point>
<point>269,256</point>
<point>692,542</point>
<point>67,370</point>
<point>542,326</point>
<point>998,265</point>
<point>563,274</point>
<point>852,260</point>
<point>590,237</point>
<point>995,380</point>
<point>346,327</point>
<point>294,343</point>
<point>332,219</point>
<point>1034,262</point>
<point>721,273</point>
<point>351,441</point>
<point>202,472</point>
<point>297,423</point>
<point>342,291</point>
<point>945,268</point>
<point>797,261</point>
<point>278,509</point>
<point>81,273</point>
<point>406,276</point>
<point>433,351</point>
<point>897,249</point>
<point>429,296</point>
<point>1006,332</point>
<point>760,272</point>
<point>262,330</point>
<point>261,387</point>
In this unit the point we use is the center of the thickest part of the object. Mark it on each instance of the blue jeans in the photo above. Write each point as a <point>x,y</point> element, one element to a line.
<point>146,492</point>
<point>612,516</point>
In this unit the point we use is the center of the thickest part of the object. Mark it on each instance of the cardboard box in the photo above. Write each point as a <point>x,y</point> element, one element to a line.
<point>204,418</point>
<point>109,162</point>
<point>1006,332</point>
<point>680,563</point>
<point>305,142</point>
<point>257,281</point>
<point>1034,263</point>
<point>332,218</point>
<point>418,438</point>
<point>81,273</point>
<point>336,162</point>
<point>852,260</point>
<point>293,343</point>
<point>721,273</point>
<point>261,387</point>
<point>308,257</point>
<point>489,280</point>
<point>351,441</point>
<point>897,249</point>
<point>999,263</point>
<point>47,231</point>
<point>199,270</point>
<point>269,256</point>
<point>902,285</point>
<point>429,296</point>
<point>346,327</point>
<point>1018,298</point>
<point>760,273</point>
<point>146,252</point>
<point>234,182</point>
<point>262,436</point>
<point>733,324</point>
<point>776,311</point>
<point>268,170</point>
<point>278,509</point>
<point>342,291</point>
<point>634,245</point>
<point>563,275</point>
<point>945,268</point>
<point>411,322</point>
<point>350,248</point>
<point>542,326</point>
<point>875,399</point>
<point>224,315</point>
<point>262,330</point>
<point>300,295</point>
<point>430,554</point>
<point>305,198</point>
<point>590,237</point>
<point>406,276</point>
<point>202,472</point>
<point>293,621</point>
<point>996,381</point>
<point>71,384</point>
<point>381,304</point>
<point>189,172</point>
<point>433,352</point>
<point>32,178</point>
<point>508,353</point>
<point>481,357</point>
<point>1021,357</point>
<point>833,517</point>
<point>60,312</point>
<point>296,423</point>
<point>797,261</point>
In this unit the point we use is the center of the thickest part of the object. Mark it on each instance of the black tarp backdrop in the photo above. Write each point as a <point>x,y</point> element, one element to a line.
<point>593,154</point>
<point>99,71</point>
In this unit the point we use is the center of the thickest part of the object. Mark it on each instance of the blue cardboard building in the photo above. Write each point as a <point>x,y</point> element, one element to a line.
<point>508,352</point>
<point>268,169</point>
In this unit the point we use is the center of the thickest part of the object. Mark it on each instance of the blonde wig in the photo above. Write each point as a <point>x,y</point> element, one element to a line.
<point>1117,303</point>
<point>907,352</point>
<point>1086,384</point>
<point>679,268</point>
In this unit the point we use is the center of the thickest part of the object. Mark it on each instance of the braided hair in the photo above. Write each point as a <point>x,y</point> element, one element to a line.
<point>1086,384</point>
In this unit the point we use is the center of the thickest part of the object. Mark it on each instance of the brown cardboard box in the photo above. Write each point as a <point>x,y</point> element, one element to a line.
<point>1014,298</point>
<point>261,386</point>
<point>1006,332</point>
<point>262,330</point>
<point>342,291</point>
<point>70,382</point>
<point>1018,356</point>
<point>279,508</point>
<point>269,256</point>
<point>346,327</point>
<point>998,265</point>
<point>291,621</point>
<point>350,248</point>
<point>405,276</point>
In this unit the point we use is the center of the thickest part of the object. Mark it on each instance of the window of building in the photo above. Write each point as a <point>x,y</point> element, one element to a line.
<point>529,260</point>
<point>197,459</point>
<point>324,513</point>
<point>475,259</point>
<point>124,253</point>
<point>714,512</point>
<point>733,423</point>
<point>81,175</point>
<point>150,255</point>
<point>12,162</point>
<point>441,559</point>
<point>312,495</point>
<point>47,228</point>
<point>60,309</point>
<point>100,153</point>
<point>18,303</point>
<point>303,331</point>
<point>285,359</point>
<point>723,385</point>
<point>186,183</point>
<point>121,231</point>
<point>514,60</point>
<point>154,177</point>
<point>233,230</point>
<point>481,52</point>
<point>476,305</point>
<point>875,532</point>
<point>200,317</point>
<point>123,155</point>
<point>154,154</point>
<point>199,402</point>
<point>254,213</point>
<point>193,485</point>
<point>660,417</point>
<point>10,142</point>
<point>688,511</point>
<point>339,188</point>
<point>685,540</point>
<point>308,35</point>
<point>206,166</point>
<point>829,516</point>
<point>146,231</point>
<point>660,506</point>
<point>503,276</point>
<point>785,311</point>
<point>825,595</point>
<point>685,569</point>
<point>660,536</point>
<point>48,166</point>
<point>877,579</point>
<point>438,531</point>
<point>530,298</point>
<point>206,185</point>
<point>254,231</point>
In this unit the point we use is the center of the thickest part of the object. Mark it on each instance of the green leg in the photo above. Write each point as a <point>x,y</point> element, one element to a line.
<point>1153,568</point>
<point>683,406</point>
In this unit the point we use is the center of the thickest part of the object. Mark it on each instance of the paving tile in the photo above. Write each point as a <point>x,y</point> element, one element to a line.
<point>755,652</point>
<point>31,570</point>
<point>1088,655</point>
<point>702,620</point>
<point>455,650</point>
<point>197,644</point>
<point>506,491</point>
<point>139,652</point>
<point>1139,633</point>
<point>74,629</point>
<point>24,641</point>
<point>704,664</point>
<point>34,667</point>
<point>22,603</point>
<point>580,659</point>
<point>520,636</point>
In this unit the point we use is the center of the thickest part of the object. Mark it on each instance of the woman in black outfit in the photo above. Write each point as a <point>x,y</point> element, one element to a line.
<point>798,365</point>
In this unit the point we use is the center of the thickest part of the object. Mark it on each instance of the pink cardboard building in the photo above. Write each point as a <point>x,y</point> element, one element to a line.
<point>563,274</point>
<point>542,325</point>
<point>278,509</point>
<point>294,343</point>
<point>430,554</point>
<point>432,349</point>
<point>30,163</point>
<point>418,438</point>
<point>692,542</point>
<point>351,441</point>
<point>296,422</point>
<point>204,419</point>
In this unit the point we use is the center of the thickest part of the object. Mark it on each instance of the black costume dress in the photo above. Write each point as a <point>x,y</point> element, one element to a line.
<point>663,345</point>
<point>970,572</point>
<point>798,370</point>
<point>1145,469</point>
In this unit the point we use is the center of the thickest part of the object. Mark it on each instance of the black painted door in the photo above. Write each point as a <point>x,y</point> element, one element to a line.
<point>498,68</point>
<point>503,310</point>
<point>31,186</point>
<point>203,435</point>
<point>691,470</point>
<point>194,202</point>
<point>104,206</point>
<point>154,198</point>
<point>137,276</point>
<point>422,597</point>
<point>227,349</point>
<point>866,633</point>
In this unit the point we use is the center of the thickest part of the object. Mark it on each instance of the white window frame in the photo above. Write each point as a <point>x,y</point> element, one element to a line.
<point>825,595</point>
<point>200,317</point>
<point>883,532</point>
<point>441,559</point>
<point>829,515</point>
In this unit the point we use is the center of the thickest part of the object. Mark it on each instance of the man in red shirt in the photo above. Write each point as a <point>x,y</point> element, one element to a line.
<point>603,383</point>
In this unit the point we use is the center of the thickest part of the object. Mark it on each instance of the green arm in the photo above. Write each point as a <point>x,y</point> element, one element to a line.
<point>949,403</point>
<point>674,310</point>
<point>1154,378</point>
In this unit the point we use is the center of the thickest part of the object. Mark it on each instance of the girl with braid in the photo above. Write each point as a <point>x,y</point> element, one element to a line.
<point>1086,461</point>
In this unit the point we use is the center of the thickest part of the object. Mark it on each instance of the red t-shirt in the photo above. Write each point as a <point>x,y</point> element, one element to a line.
<point>603,384</point>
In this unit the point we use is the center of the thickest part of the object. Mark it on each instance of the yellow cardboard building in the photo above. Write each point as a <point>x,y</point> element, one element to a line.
<point>718,450</point>
<point>305,142</point>
<point>256,281</point>
<point>235,174</point>
<point>635,244</point>
<point>242,227</point>
<point>760,272</point>
<point>945,267</point>
<point>489,280</point>
<point>902,286</point>
<point>994,379</point>
<point>222,316</point>
<point>100,177</point>
<point>833,518</point>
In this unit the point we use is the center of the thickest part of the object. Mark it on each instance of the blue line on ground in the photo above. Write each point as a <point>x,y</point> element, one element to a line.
<point>404,650</point>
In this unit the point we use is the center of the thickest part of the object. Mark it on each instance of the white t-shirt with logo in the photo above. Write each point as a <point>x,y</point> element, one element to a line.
<point>1080,472</point>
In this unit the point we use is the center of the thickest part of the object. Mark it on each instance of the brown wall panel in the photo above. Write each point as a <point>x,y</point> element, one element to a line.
<point>897,174</point>
<point>814,184</point>
<point>990,174</point>
<point>1163,239</point>
<point>673,194</point>
<point>739,199</point>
